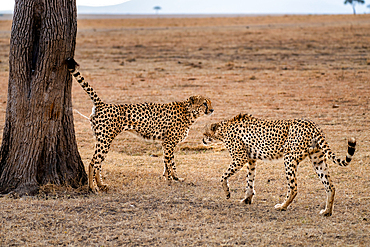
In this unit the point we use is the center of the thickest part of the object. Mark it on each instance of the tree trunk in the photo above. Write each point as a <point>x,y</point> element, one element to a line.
<point>39,144</point>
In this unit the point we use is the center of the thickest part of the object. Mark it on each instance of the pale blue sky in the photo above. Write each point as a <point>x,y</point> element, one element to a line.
<point>221,6</point>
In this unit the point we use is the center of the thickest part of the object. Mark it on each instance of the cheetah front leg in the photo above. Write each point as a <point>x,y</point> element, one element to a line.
<point>321,168</point>
<point>233,167</point>
<point>290,170</point>
<point>173,171</point>
<point>249,192</point>
<point>169,162</point>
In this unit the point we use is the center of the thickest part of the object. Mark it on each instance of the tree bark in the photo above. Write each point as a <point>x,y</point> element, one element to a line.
<point>39,144</point>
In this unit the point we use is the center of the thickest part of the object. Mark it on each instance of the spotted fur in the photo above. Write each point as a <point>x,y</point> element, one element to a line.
<point>249,139</point>
<point>168,123</point>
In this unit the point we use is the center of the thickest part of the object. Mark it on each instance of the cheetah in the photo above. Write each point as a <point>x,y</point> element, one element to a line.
<point>169,123</point>
<point>249,139</point>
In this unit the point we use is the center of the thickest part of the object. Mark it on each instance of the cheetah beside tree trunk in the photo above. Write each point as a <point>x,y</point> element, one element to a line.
<point>169,123</point>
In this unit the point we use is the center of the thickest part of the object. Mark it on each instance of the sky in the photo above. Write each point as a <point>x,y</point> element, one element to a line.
<point>224,6</point>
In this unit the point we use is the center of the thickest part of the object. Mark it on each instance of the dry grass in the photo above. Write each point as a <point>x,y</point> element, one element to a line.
<point>271,67</point>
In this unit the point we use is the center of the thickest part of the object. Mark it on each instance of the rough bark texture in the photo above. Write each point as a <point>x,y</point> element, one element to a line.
<point>39,144</point>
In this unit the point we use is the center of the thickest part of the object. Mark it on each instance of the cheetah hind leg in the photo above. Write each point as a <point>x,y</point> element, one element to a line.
<point>321,168</point>
<point>91,180</point>
<point>225,187</point>
<point>95,168</point>
<point>102,186</point>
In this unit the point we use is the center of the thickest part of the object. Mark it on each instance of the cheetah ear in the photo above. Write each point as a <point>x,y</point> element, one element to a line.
<point>193,99</point>
<point>214,126</point>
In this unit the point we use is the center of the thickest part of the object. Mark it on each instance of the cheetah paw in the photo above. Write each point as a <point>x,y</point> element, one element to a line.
<point>93,190</point>
<point>280,207</point>
<point>325,212</point>
<point>247,200</point>
<point>103,187</point>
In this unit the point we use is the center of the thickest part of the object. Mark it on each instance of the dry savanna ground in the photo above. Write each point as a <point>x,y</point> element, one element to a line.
<point>273,67</point>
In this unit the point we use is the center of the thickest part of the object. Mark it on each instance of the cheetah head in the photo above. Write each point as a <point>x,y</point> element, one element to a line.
<point>212,132</point>
<point>200,105</point>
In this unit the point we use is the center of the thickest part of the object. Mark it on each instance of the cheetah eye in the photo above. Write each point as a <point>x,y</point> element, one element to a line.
<point>205,104</point>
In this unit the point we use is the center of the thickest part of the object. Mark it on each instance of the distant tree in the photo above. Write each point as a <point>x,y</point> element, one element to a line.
<point>353,3</point>
<point>157,8</point>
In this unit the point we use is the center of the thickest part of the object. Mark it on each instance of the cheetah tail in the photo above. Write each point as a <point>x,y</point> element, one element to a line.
<point>72,66</point>
<point>350,152</point>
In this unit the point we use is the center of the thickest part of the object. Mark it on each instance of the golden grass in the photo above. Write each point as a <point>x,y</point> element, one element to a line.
<point>271,67</point>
